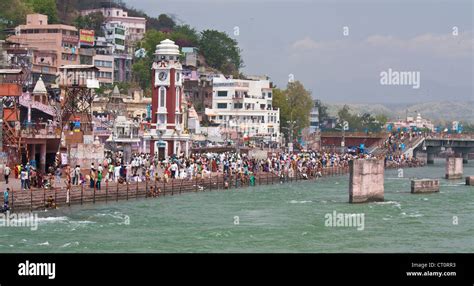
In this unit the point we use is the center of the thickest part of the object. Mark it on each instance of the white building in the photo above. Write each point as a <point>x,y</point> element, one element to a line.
<point>135,26</point>
<point>410,122</point>
<point>115,34</point>
<point>244,107</point>
<point>314,117</point>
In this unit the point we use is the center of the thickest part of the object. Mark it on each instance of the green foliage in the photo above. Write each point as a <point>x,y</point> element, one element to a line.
<point>165,23</point>
<point>12,14</point>
<point>323,112</point>
<point>295,105</point>
<point>363,123</point>
<point>124,86</point>
<point>141,70</point>
<point>46,7</point>
<point>221,51</point>
<point>150,40</point>
<point>92,21</point>
<point>185,36</point>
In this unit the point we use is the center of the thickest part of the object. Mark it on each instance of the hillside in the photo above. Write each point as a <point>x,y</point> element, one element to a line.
<point>438,112</point>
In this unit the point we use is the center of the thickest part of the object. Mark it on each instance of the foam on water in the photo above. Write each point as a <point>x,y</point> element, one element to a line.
<point>271,220</point>
<point>52,219</point>
<point>75,243</point>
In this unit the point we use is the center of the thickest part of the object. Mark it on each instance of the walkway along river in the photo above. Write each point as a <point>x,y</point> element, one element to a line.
<point>37,199</point>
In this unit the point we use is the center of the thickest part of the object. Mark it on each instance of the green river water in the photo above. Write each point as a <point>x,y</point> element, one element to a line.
<point>275,218</point>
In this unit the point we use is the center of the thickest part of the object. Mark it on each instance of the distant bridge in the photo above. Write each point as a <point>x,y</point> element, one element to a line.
<point>460,144</point>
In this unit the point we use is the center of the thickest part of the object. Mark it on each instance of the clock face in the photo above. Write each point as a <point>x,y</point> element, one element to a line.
<point>162,76</point>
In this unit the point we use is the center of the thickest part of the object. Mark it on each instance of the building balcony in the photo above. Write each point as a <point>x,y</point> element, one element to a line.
<point>40,131</point>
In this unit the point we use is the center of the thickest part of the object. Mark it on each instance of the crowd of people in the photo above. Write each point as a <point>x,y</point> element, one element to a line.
<point>149,167</point>
<point>31,177</point>
<point>145,167</point>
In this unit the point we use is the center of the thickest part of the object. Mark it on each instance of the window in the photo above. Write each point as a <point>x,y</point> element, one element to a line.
<point>178,103</point>
<point>104,75</point>
<point>119,31</point>
<point>222,93</point>
<point>161,119</point>
<point>162,98</point>
<point>238,105</point>
<point>177,76</point>
<point>119,42</point>
<point>269,95</point>
<point>68,57</point>
<point>106,64</point>
<point>222,105</point>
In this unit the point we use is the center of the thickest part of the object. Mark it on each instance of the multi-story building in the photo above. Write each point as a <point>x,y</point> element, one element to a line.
<point>55,45</point>
<point>198,90</point>
<point>122,68</point>
<point>115,34</point>
<point>104,61</point>
<point>314,117</point>
<point>135,26</point>
<point>245,107</point>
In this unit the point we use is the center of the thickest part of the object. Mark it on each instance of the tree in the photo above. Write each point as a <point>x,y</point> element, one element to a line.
<point>150,40</point>
<point>165,23</point>
<point>323,112</point>
<point>185,36</point>
<point>142,68</point>
<point>12,14</point>
<point>221,51</point>
<point>365,122</point>
<point>46,7</point>
<point>92,21</point>
<point>295,105</point>
<point>142,74</point>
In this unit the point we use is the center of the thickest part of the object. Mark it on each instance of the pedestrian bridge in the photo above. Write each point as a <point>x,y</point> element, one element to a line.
<point>460,144</point>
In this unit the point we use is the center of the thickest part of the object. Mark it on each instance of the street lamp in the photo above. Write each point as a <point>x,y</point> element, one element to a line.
<point>290,128</point>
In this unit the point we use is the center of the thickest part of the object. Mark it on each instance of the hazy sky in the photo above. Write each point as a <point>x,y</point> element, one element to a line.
<point>305,38</point>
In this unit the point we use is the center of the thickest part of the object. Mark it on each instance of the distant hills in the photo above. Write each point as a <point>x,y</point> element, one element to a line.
<point>438,112</point>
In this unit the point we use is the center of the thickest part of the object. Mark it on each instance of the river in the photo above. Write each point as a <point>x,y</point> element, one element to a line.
<point>274,218</point>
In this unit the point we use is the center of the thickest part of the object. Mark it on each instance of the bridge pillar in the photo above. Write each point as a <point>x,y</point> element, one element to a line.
<point>419,186</point>
<point>430,158</point>
<point>454,168</point>
<point>366,180</point>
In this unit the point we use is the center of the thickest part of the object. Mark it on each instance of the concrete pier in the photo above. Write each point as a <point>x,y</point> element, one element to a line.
<point>366,180</point>
<point>430,158</point>
<point>420,186</point>
<point>454,168</point>
<point>470,180</point>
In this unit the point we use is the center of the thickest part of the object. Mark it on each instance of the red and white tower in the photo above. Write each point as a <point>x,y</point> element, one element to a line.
<point>167,136</point>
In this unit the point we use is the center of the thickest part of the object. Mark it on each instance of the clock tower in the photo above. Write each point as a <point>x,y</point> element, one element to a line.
<point>167,136</point>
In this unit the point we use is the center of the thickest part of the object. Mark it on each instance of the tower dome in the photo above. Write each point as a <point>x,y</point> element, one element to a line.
<point>167,47</point>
